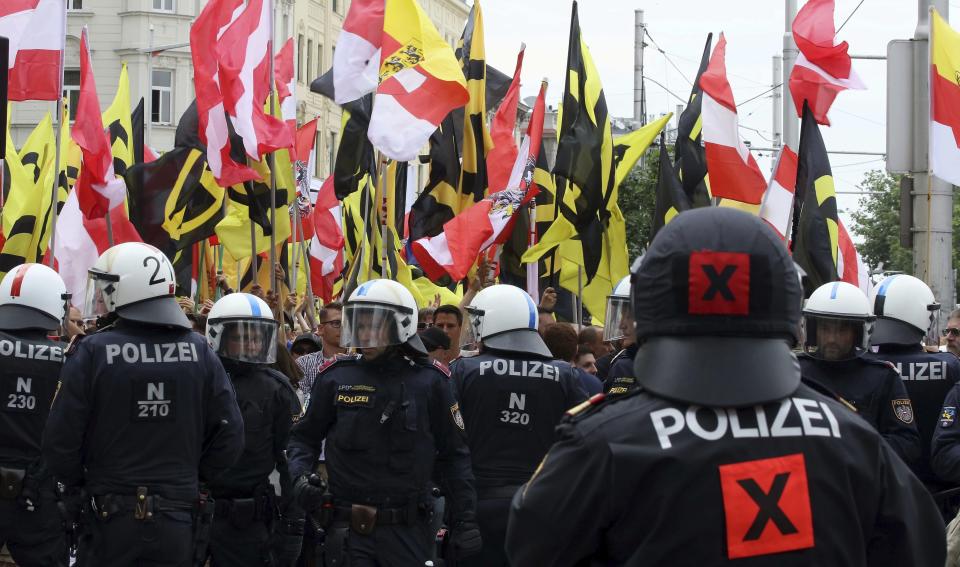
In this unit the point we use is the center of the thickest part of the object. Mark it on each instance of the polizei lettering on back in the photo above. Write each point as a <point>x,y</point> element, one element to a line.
<point>919,371</point>
<point>133,353</point>
<point>525,368</point>
<point>18,349</point>
<point>808,418</point>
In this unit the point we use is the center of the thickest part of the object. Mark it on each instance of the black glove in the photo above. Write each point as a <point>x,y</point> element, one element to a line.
<point>466,539</point>
<point>308,492</point>
<point>287,541</point>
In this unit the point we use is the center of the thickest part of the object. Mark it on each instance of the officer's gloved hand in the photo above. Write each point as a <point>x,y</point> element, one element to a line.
<point>288,541</point>
<point>466,539</point>
<point>308,492</point>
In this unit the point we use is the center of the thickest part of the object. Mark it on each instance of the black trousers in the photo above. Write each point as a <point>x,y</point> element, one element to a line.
<point>239,546</point>
<point>492,517</point>
<point>389,546</point>
<point>35,539</point>
<point>123,541</point>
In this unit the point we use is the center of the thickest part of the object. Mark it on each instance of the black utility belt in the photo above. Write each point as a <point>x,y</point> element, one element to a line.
<point>497,492</point>
<point>11,483</point>
<point>143,505</point>
<point>254,508</point>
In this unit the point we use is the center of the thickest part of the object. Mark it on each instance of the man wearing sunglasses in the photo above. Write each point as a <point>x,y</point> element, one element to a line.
<point>952,332</point>
<point>329,332</point>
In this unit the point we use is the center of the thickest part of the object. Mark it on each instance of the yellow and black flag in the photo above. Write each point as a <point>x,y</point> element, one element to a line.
<point>117,119</point>
<point>355,155</point>
<point>439,200</point>
<point>816,230</point>
<point>689,155</point>
<point>671,199</point>
<point>476,136</point>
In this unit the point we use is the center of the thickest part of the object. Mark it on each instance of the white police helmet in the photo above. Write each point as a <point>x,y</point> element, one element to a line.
<point>380,313</point>
<point>618,322</point>
<point>32,296</point>
<point>136,281</point>
<point>837,302</point>
<point>906,310</point>
<point>241,327</point>
<point>504,317</point>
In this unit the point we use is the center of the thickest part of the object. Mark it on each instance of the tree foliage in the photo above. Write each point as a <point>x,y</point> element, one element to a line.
<point>636,200</point>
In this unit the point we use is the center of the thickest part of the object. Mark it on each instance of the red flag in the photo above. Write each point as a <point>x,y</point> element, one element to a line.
<point>356,62</point>
<point>326,246</point>
<point>777,205</point>
<point>302,155</point>
<point>850,265</point>
<point>286,89</point>
<point>822,70</point>
<point>504,150</point>
<point>98,189</point>
<point>245,82</point>
<point>35,30</point>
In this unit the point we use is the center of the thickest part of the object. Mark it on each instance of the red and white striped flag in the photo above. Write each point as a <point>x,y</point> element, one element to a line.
<point>35,30</point>
<point>98,188</point>
<point>490,221</point>
<point>734,174</point>
<point>326,246</point>
<point>244,56</point>
<point>215,18</point>
<point>356,62</point>
<point>283,74</point>
<point>850,265</point>
<point>822,70</point>
<point>777,205</point>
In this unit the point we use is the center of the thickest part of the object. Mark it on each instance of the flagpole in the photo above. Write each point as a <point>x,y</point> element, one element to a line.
<point>382,215</point>
<point>579,303</point>
<point>533,268</point>
<point>109,229</point>
<point>271,163</point>
<point>58,119</point>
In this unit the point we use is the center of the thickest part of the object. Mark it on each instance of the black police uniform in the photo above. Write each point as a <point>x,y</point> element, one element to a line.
<point>511,404</point>
<point>945,445</point>
<point>603,365</point>
<point>29,521</point>
<point>876,391</point>
<point>799,481</point>
<point>245,502</point>
<point>143,414</point>
<point>620,378</point>
<point>928,378</point>
<point>386,422</point>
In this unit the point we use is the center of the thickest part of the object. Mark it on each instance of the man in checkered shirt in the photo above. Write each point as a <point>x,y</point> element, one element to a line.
<point>329,332</point>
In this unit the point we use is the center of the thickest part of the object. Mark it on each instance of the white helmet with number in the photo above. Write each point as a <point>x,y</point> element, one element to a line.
<point>32,296</point>
<point>505,318</point>
<point>136,281</point>
<point>380,313</point>
<point>618,322</point>
<point>838,302</point>
<point>906,310</point>
<point>241,327</point>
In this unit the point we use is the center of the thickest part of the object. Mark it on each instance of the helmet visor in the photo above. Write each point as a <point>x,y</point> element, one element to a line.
<point>96,299</point>
<point>619,320</point>
<point>835,338</point>
<point>932,337</point>
<point>244,340</point>
<point>473,331</point>
<point>367,325</point>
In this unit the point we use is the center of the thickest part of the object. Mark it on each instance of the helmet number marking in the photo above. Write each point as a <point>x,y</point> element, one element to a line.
<point>154,279</point>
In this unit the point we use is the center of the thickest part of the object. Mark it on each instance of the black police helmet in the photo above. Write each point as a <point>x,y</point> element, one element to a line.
<point>717,308</point>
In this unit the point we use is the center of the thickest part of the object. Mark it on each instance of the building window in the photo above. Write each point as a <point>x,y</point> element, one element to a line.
<point>332,151</point>
<point>317,162</point>
<point>309,58</point>
<point>300,54</point>
<point>320,66</point>
<point>286,25</point>
<point>164,5</point>
<point>161,91</point>
<point>335,5</point>
<point>74,4</point>
<point>71,90</point>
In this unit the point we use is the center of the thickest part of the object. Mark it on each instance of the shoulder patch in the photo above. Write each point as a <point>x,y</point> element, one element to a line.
<point>947,416</point>
<point>457,416</point>
<point>903,409</point>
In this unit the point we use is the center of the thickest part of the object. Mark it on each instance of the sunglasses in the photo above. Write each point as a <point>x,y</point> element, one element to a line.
<point>951,332</point>
<point>422,326</point>
<point>334,323</point>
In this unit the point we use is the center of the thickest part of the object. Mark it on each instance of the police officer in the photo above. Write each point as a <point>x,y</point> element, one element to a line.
<point>618,326</point>
<point>837,319</point>
<point>32,299</point>
<point>512,396</point>
<point>387,414</point>
<point>242,331</point>
<point>722,456</point>
<point>906,310</point>
<point>144,413</point>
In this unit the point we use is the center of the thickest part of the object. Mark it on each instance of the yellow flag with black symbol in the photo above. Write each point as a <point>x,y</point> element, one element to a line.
<point>118,121</point>
<point>70,154</point>
<point>439,201</point>
<point>628,148</point>
<point>476,136</point>
<point>816,238</point>
<point>40,145</point>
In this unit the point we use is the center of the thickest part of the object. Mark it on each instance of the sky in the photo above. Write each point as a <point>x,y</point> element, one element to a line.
<point>754,32</point>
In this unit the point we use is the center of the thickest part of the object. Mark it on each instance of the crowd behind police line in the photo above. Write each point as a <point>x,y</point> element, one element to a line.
<point>159,449</point>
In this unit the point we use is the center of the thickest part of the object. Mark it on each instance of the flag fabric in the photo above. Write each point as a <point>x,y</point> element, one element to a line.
<point>670,199</point>
<point>98,189</point>
<point>356,62</point>
<point>326,246</point>
<point>35,29</point>
<point>70,156</point>
<point>628,148</point>
<point>118,120</point>
<point>850,266</point>
<point>212,125</point>
<point>689,156</point>
<point>244,58</point>
<point>283,74</point>
<point>489,222</point>
<point>504,151</point>
<point>822,70</point>
<point>355,156</point>
<point>439,201</point>
<point>944,100</point>
<point>476,136</point>
<point>420,82</point>
<point>303,153</point>
<point>777,206</point>
<point>815,241</point>
<point>734,174</point>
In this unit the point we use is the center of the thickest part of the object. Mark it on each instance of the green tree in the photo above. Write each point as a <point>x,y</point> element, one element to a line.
<point>636,200</point>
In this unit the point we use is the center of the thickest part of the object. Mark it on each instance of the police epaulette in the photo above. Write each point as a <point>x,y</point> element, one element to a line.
<point>821,389</point>
<point>72,345</point>
<point>338,359</point>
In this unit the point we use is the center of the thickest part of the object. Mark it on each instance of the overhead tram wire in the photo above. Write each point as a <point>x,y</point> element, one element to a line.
<point>850,16</point>
<point>667,57</point>
<point>659,84</point>
<point>770,90</point>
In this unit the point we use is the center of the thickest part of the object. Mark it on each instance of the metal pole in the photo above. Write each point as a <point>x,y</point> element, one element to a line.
<point>579,314</point>
<point>777,101</point>
<point>58,121</point>
<point>107,218</point>
<point>932,197</point>
<point>384,271</point>
<point>149,128</point>
<point>533,268</point>
<point>639,94</point>
<point>791,125</point>
<point>271,163</point>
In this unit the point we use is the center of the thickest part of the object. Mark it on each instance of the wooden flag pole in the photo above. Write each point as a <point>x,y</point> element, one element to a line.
<point>382,215</point>
<point>57,127</point>
<point>107,218</point>
<point>271,163</point>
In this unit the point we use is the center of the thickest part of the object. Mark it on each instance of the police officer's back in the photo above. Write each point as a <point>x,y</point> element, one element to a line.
<point>512,395</point>
<point>837,327</point>
<point>387,416</point>
<point>31,303</point>
<point>145,411</point>
<point>906,310</point>
<point>722,454</point>
<point>242,331</point>
<point>618,326</point>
